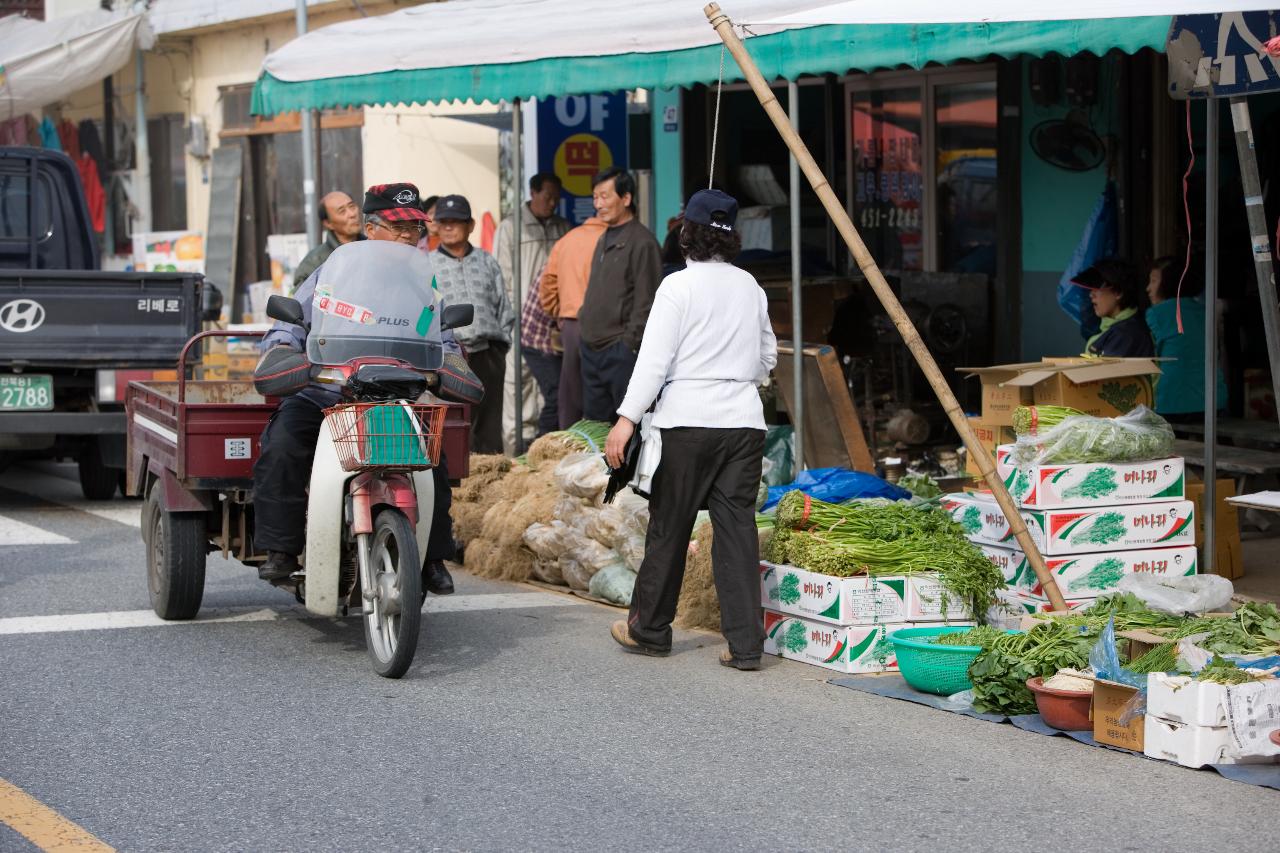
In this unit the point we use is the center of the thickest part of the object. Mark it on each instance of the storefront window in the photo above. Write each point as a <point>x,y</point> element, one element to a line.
<point>888,186</point>
<point>965,120</point>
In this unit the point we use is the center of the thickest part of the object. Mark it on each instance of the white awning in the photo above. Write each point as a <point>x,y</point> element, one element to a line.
<point>45,61</point>
<point>993,11</point>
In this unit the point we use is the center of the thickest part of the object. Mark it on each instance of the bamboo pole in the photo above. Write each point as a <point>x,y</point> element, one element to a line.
<point>986,465</point>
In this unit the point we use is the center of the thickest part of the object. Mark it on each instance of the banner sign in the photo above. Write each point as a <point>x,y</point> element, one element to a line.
<point>578,137</point>
<point>1221,56</point>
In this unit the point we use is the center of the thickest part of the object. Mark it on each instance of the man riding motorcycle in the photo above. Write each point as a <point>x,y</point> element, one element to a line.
<point>283,468</point>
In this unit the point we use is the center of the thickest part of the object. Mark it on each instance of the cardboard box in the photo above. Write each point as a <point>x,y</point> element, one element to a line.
<point>1109,703</point>
<point>1097,483</point>
<point>1228,558</point>
<point>1190,746</point>
<point>836,600</point>
<point>1011,562</point>
<point>991,436</point>
<point>843,648</point>
<point>771,620</point>
<point>929,602</point>
<point>1091,575</point>
<point>1162,524</point>
<point>1104,387</point>
<point>768,584</point>
<point>1008,611</point>
<point>999,399</point>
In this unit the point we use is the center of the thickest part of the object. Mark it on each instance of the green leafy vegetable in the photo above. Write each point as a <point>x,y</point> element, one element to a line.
<point>1222,671</point>
<point>921,485</point>
<point>1138,436</point>
<point>1029,420</point>
<point>885,538</point>
<point>983,635</point>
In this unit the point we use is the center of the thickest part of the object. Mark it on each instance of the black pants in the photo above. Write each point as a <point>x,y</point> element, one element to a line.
<point>545,367</point>
<point>490,366</point>
<point>718,469</point>
<point>569,394</point>
<point>283,471</point>
<point>605,374</point>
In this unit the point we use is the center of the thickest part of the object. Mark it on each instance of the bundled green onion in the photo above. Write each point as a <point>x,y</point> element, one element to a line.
<point>1029,420</point>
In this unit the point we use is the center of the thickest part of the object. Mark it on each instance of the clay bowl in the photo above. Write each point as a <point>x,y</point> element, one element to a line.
<point>1064,710</point>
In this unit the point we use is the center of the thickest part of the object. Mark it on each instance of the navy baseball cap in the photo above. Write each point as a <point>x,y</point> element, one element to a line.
<point>712,207</point>
<point>1108,272</point>
<point>453,207</point>
<point>394,202</point>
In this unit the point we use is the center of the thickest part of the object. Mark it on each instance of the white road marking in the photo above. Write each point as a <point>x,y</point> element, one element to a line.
<point>147,619</point>
<point>14,532</point>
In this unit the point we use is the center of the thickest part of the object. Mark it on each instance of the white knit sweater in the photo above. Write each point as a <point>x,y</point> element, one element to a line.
<point>707,345</point>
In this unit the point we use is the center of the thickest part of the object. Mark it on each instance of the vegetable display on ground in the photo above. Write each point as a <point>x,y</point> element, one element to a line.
<point>883,538</point>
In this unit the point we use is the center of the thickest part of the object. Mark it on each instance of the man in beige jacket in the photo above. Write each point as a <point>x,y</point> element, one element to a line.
<point>542,228</point>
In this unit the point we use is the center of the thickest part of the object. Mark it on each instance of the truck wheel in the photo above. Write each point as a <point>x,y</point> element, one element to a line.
<point>393,604</point>
<point>175,562</point>
<point>97,481</point>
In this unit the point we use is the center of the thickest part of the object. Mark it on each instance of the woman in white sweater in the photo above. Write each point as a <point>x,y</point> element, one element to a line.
<point>707,346</point>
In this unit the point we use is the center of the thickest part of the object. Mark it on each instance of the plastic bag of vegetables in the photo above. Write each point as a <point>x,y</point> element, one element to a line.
<point>1136,437</point>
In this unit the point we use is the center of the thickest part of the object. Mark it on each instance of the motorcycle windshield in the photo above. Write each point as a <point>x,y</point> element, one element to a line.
<point>376,298</point>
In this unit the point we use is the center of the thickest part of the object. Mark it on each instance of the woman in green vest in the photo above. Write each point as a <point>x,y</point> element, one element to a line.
<point>1180,390</point>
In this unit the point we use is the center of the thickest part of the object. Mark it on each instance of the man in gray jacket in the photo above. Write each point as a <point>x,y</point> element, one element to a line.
<point>340,219</point>
<point>625,273</point>
<point>466,274</point>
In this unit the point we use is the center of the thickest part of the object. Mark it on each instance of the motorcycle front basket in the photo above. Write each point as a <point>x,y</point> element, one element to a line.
<point>399,436</point>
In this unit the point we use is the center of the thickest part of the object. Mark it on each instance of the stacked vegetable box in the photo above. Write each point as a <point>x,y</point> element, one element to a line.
<point>1103,498</point>
<point>838,578</point>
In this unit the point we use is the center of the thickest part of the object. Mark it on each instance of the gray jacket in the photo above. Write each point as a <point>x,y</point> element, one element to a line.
<point>475,278</point>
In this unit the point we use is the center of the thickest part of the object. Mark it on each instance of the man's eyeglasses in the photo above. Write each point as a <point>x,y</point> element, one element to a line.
<point>407,229</point>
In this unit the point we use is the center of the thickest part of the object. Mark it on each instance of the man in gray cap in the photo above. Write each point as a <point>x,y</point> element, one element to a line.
<point>467,274</point>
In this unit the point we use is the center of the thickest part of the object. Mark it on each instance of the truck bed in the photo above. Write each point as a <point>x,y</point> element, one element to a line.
<point>67,318</point>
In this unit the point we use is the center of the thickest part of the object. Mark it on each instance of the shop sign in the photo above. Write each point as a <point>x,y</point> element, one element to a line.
<point>1220,56</point>
<point>578,137</point>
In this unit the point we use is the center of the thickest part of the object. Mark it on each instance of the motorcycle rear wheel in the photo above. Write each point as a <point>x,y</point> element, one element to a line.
<point>392,585</point>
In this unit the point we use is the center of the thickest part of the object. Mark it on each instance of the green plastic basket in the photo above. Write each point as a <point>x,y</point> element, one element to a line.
<point>931,668</point>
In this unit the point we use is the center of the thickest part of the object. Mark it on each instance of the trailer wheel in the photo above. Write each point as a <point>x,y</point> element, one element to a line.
<point>97,481</point>
<point>176,552</point>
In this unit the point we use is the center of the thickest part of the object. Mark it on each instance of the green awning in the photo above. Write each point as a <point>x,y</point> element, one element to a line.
<point>785,55</point>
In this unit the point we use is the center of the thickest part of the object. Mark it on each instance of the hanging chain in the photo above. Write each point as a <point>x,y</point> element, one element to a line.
<point>715,125</point>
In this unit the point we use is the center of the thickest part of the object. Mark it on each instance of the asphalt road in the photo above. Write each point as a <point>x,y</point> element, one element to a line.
<point>521,726</point>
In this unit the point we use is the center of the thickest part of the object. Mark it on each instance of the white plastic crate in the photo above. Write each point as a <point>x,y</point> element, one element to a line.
<point>1182,699</point>
<point>1190,746</point>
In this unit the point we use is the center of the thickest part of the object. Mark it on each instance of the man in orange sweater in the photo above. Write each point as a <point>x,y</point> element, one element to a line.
<point>564,286</point>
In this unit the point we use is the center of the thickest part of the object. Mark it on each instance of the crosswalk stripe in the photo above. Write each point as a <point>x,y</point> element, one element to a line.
<point>14,532</point>
<point>128,513</point>
<point>111,620</point>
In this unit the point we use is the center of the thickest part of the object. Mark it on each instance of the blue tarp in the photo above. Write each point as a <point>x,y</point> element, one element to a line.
<point>835,485</point>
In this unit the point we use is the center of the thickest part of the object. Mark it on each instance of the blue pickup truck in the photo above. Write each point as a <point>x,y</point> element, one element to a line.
<point>72,336</point>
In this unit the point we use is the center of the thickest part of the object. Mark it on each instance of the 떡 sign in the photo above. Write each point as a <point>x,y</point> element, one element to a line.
<point>1224,55</point>
<point>578,137</point>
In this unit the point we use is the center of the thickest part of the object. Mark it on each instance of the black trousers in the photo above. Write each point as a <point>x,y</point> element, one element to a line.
<point>718,469</point>
<point>283,471</point>
<point>605,374</point>
<point>490,366</point>
<point>569,394</point>
<point>545,367</point>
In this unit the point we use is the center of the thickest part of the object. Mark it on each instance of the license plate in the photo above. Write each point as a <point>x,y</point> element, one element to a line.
<point>26,392</point>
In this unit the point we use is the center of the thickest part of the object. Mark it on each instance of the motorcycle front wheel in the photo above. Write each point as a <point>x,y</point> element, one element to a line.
<point>391,576</point>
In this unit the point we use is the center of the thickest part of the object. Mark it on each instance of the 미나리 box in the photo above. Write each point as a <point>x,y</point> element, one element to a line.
<point>1092,575</point>
<point>843,648</point>
<point>839,601</point>
<point>1097,483</point>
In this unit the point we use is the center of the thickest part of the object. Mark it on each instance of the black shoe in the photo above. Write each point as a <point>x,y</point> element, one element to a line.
<point>278,566</point>
<point>436,578</point>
